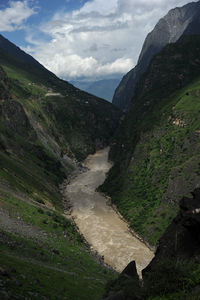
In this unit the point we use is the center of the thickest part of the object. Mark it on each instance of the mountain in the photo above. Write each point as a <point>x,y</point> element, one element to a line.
<point>12,49</point>
<point>156,149</point>
<point>169,29</point>
<point>103,88</point>
<point>69,102</point>
<point>155,180</point>
<point>47,127</point>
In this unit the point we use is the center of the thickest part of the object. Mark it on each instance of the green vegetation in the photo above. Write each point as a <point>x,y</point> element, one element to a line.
<point>156,150</point>
<point>165,167</point>
<point>45,123</point>
<point>76,120</point>
<point>44,256</point>
<point>46,127</point>
<point>37,131</point>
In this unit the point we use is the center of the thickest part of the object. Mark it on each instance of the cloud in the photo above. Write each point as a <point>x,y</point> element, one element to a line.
<point>103,38</point>
<point>116,26</point>
<point>78,67</point>
<point>13,17</point>
<point>104,7</point>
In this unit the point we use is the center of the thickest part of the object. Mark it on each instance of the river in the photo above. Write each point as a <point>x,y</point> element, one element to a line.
<point>99,223</point>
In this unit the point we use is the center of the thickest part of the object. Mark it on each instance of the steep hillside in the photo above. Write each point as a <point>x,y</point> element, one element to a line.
<point>15,51</point>
<point>79,114</point>
<point>156,150</point>
<point>48,123</point>
<point>174,273</point>
<point>169,29</point>
<point>46,128</point>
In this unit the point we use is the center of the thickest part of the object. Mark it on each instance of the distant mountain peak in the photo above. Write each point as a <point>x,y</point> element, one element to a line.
<point>178,21</point>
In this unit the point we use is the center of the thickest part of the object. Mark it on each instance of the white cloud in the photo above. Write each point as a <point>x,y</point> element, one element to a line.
<point>104,7</point>
<point>13,17</point>
<point>75,66</point>
<point>103,38</point>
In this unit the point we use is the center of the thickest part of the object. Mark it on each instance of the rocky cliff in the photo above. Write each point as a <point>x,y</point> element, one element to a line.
<point>169,29</point>
<point>174,272</point>
<point>156,149</point>
<point>181,240</point>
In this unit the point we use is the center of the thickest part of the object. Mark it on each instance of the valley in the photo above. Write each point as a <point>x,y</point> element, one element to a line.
<point>99,223</point>
<point>88,188</point>
<point>47,127</point>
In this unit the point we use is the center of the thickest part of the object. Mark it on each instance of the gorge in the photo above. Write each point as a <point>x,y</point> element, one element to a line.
<point>99,223</point>
<point>85,187</point>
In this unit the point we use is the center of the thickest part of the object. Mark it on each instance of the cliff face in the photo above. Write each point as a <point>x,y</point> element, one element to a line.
<point>156,150</point>
<point>12,114</point>
<point>169,29</point>
<point>181,240</point>
<point>4,84</point>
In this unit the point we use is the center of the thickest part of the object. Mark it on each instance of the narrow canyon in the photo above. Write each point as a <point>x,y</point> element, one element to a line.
<point>100,224</point>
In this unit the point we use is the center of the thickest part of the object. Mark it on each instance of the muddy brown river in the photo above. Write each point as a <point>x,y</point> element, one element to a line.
<point>101,226</point>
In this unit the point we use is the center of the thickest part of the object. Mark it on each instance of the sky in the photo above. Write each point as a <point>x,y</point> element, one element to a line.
<point>83,39</point>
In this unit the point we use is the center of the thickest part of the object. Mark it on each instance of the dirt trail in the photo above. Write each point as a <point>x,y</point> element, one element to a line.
<point>101,226</point>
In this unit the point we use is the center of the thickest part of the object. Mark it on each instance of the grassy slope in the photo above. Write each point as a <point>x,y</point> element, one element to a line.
<point>165,167</point>
<point>73,125</point>
<point>36,132</point>
<point>83,119</point>
<point>157,158</point>
<point>51,262</point>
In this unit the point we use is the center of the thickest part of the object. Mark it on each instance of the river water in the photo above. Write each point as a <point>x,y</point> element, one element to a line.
<point>101,226</point>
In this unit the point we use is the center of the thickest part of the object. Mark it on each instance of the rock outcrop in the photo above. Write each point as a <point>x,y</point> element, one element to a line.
<point>4,84</point>
<point>181,240</point>
<point>128,276</point>
<point>174,271</point>
<point>12,115</point>
<point>169,29</point>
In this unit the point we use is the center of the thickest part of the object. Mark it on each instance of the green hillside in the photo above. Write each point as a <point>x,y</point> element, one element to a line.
<point>156,151</point>
<point>47,127</point>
